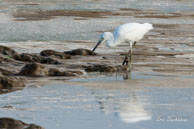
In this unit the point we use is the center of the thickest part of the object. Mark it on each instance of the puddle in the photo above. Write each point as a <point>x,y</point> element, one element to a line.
<point>65,106</point>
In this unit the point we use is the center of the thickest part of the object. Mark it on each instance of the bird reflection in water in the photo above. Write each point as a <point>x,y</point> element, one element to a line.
<point>129,109</point>
<point>127,75</point>
<point>132,110</point>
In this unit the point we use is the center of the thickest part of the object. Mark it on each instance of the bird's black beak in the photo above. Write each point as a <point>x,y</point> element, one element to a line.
<point>97,44</point>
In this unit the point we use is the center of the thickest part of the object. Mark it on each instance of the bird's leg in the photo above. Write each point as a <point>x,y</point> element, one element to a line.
<point>134,43</point>
<point>130,54</point>
<point>130,65</point>
<point>126,60</point>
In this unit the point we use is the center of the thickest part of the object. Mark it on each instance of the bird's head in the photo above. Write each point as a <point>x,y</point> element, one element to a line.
<point>103,38</point>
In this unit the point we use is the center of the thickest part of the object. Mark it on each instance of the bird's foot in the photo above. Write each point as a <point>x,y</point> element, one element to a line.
<point>125,61</point>
<point>134,44</point>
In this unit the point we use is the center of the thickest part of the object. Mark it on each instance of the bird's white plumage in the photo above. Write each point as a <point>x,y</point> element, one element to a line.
<point>126,33</point>
<point>131,32</point>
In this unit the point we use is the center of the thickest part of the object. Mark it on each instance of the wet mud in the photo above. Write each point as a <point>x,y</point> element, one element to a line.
<point>34,15</point>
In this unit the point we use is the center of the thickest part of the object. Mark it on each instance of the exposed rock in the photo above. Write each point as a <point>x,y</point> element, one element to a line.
<point>37,70</point>
<point>5,59</point>
<point>28,57</point>
<point>34,69</point>
<point>7,107</point>
<point>33,126</point>
<point>2,58</point>
<point>56,54</point>
<point>56,72</point>
<point>82,52</point>
<point>6,72</point>
<point>49,60</point>
<point>8,51</point>
<point>105,68</point>
<point>10,123</point>
<point>8,84</point>
<point>35,58</point>
<point>25,57</point>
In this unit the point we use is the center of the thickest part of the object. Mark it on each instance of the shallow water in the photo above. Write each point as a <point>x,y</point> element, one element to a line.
<point>147,100</point>
<point>124,76</point>
<point>65,106</point>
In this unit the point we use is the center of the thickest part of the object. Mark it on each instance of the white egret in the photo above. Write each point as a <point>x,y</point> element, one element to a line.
<point>126,33</point>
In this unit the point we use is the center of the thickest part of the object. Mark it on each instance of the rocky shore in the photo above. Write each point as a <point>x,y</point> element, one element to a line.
<point>10,123</point>
<point>15,68</point>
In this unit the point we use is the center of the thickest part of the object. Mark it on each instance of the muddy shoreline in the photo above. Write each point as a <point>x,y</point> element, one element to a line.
<point>45,56</point>
<point>165,51</point>
<point>48,63</point>
<point>69,64</point>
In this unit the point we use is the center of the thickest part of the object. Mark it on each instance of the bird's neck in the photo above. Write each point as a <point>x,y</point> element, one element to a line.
<point>111,41</point>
